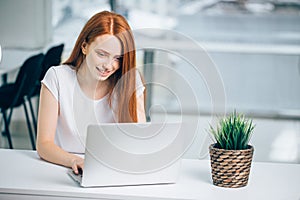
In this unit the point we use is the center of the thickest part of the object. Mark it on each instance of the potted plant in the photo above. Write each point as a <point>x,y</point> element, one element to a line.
<point>231,155</point>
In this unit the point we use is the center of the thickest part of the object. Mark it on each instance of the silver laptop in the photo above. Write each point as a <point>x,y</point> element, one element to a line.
<point>120,154</point>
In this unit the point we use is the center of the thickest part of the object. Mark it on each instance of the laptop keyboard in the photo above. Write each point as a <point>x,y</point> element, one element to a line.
<point>76,177</point>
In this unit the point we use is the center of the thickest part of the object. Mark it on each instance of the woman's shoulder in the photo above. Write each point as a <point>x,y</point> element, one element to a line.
<point>66,69</point>
<point>61,72</point>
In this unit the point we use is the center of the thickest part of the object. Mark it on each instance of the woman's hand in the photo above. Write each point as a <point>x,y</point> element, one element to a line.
<point>77,165</point>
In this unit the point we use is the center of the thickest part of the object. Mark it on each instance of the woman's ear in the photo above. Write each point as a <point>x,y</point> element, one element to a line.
<point>84,47</point>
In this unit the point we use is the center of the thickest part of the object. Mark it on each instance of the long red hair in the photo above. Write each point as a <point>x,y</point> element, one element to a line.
<point>123,82</point>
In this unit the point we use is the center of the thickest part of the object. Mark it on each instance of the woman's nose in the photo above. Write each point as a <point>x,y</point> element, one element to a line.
<point>110,63</point>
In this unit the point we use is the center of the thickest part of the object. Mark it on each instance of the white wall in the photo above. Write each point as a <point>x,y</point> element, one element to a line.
<point>25,29</point>
<point>25,24</point>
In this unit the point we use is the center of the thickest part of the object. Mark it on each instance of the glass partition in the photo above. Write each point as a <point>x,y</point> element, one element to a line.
<point>254,45</point>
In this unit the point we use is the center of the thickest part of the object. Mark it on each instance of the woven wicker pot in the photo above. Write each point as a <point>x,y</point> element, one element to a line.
<point>230,168</point>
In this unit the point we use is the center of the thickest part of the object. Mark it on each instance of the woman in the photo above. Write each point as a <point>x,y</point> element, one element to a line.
<point>97,83</point>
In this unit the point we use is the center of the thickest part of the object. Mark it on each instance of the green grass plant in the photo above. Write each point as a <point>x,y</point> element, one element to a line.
<point>233,132</point>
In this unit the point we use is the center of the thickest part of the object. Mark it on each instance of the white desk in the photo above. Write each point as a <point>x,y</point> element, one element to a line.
<point>24,176</point>
<point>12,60</point>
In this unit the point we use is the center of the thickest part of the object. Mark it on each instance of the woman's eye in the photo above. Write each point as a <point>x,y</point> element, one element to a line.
<point>100,54</point>
<point>118,59</point>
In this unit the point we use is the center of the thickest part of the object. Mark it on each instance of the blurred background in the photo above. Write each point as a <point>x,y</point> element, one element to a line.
<point>254,46</point>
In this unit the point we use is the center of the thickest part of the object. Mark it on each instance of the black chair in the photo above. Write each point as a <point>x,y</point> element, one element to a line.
<point>13,95</point>
<point>52,58</point>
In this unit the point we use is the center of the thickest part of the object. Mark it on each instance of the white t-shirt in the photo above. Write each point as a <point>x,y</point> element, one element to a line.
<point>77,111</point>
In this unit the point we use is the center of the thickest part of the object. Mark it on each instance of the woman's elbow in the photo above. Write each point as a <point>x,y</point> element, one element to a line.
<point>41,149</point>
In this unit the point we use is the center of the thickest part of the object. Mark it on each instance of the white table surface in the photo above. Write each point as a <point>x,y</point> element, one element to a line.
<point>12,59</point>
<point>23,175</point>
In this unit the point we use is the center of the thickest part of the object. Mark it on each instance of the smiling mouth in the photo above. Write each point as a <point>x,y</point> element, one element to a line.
<point>102,72</point>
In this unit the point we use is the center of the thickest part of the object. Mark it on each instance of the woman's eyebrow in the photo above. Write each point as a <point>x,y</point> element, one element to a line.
<point>102,50</point>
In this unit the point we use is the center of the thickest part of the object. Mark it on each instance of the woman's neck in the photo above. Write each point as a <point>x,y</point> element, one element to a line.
<point>93,88</point>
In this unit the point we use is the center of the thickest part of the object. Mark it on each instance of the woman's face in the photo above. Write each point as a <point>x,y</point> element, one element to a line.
<point>103,56</point>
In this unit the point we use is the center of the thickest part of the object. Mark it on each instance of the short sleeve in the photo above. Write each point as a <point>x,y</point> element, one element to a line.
<point>51,82</point>
<point>139,84</point>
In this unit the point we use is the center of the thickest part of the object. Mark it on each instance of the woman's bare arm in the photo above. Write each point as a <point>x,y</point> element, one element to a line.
<point>141,108</point>
<point>47,122</point>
